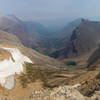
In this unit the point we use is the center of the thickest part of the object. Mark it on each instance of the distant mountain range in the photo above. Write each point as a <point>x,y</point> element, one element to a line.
<point>82,39</point>
<point>39,78</point>
<point>75,39</point>
<point>30,33</point>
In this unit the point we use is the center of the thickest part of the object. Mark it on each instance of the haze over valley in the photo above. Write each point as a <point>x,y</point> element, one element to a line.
<point>49,50</point>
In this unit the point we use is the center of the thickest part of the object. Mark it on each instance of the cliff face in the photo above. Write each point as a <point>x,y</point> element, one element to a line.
<point>85,37</point>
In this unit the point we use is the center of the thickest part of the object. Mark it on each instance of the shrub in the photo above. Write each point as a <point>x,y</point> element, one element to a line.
<point>23,80</point>
<point>34,72</point>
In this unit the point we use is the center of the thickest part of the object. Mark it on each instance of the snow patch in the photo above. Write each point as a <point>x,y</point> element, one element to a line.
<point>76,85</point>
<point>9,83</point>
<point>12,66</point>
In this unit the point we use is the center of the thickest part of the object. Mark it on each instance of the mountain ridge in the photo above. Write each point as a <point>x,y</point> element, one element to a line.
<point>83,39</point>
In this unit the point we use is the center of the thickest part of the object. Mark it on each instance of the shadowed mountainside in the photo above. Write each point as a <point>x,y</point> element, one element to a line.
<point>45,74</point>
<point>30,33</point>
<point>84,38</point>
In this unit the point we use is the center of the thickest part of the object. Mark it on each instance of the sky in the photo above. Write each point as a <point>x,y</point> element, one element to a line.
<point>51,12</point>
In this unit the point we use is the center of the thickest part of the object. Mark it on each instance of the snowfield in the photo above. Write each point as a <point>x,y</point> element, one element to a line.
<point>10,67</point>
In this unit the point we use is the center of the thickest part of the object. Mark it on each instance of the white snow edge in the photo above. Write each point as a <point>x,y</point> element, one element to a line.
<point>9,68</point>
<point>76,85</point>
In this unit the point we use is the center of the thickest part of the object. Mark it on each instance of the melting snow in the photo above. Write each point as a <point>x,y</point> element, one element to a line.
<point>76,85</point>
<point>10,67</point>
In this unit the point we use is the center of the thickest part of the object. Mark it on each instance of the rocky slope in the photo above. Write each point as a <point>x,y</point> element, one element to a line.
<point>85,37</point>
<point>10,40</point>
<point>60,93</point>
<point>14,26</point>
<point>46,78</point>
<point>40,62</point>
<point>30,33</point>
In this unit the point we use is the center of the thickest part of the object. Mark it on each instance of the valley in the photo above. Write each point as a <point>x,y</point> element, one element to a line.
<point>41,64</point>
<point>49,49</point>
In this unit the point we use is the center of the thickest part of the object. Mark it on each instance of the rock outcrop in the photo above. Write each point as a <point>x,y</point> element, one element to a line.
<point>60,93</point>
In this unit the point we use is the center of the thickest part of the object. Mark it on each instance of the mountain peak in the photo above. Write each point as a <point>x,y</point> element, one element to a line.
<point>79,20</point>
<point>14,17</point>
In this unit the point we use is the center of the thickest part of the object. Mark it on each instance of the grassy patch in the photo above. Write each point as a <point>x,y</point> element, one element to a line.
<point>34,73</point>
<point>23,80</point>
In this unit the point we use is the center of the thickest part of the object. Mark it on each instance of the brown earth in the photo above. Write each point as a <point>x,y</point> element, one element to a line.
<point>4,54</point>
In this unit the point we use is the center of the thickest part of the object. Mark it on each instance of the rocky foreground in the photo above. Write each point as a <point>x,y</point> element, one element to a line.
<point>60,93</point>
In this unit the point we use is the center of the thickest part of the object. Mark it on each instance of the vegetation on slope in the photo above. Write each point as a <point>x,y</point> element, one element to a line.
<point>33,73</point>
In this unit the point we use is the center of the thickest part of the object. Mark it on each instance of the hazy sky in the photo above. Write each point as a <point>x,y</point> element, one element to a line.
<point>51,11</point>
